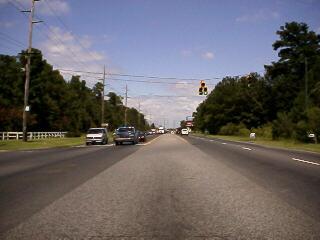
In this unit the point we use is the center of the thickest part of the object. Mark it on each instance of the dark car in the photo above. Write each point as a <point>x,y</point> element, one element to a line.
<point>126,134</point>
<point>142,136</point>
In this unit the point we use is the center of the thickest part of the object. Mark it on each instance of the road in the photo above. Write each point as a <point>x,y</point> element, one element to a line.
<point>170,188</point>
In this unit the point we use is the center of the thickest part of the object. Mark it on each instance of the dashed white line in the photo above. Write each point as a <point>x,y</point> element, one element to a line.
<point>304,161</point>
<point>224,143</point>
<point>245,148</point>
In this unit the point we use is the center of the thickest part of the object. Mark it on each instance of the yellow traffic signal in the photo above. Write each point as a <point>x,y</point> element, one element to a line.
<point>203,90</point>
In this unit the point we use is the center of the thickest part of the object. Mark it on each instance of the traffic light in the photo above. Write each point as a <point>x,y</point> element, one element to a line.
<point>200,91</point>
<point>203,90</point>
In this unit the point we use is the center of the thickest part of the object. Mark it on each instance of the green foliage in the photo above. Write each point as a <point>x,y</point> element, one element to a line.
<point>234,129</point>
<point>277,103</point>
<point>56,104</point>
<point>264,131</point>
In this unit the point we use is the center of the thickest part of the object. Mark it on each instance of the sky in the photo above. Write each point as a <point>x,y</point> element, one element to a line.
<point>184,40</point>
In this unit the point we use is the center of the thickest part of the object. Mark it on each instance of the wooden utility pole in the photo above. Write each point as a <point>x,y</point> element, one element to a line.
<point>26,107</point>
<point>139,115</point>
<point>126,103</point>
<point>306,82</point>
<point>102,95</point>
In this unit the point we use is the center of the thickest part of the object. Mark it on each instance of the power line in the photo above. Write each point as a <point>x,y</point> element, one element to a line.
<point>143,76</point>
<point>44,34</point>
<point>9,38</point>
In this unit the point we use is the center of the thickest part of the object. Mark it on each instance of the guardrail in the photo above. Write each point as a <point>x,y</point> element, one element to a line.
<point>31,135</point>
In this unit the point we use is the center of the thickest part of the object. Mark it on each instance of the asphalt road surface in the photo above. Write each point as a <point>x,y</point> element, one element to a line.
<point>170,188</point>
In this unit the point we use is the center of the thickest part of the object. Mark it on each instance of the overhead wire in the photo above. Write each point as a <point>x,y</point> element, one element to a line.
<point>44,34</point>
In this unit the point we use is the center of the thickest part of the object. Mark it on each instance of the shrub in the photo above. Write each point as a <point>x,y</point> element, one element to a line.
<point>74,133</point>
<point>244,132</point>
<point>229,129</point>
<point>233,129</point>
<point>264,131</point>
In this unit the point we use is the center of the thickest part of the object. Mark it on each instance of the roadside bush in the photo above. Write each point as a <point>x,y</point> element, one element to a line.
<point>244,132</point>
<point>235,130</point>
<point>229,129</point>
<point>264,131</point>
<point>75,133</point>
<point>301,132</point>
<point>282,127</point>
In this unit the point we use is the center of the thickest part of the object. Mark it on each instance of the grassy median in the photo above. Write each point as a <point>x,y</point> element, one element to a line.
<point>41,143</point>
<point>283,143</point>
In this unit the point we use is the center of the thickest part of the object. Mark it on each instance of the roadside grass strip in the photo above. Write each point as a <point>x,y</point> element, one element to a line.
<point>40,143</point>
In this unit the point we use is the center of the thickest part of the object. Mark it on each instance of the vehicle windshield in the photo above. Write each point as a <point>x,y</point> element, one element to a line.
<point>95,131</point>
<point>160,120</point>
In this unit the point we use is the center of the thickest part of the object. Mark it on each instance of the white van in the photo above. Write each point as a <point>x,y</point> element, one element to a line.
<point>184,131</point>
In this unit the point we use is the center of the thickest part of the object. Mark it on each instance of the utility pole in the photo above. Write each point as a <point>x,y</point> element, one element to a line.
<point>125,110</point>
<point>26,107</point>
<point>102,95</point>
<point>306,82</point>
<point>139,115</point>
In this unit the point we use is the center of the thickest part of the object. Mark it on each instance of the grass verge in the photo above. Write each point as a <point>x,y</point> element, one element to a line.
<point>41,143</point>
<point>283,143</point>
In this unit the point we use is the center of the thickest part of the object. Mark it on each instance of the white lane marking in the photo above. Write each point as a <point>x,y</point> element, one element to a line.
<point>211,140</point>
<point>224,143</point>
<point>245,148</point>
<point>304,161</point>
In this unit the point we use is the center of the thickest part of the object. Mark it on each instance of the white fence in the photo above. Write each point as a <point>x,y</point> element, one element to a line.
<point>31,135</point>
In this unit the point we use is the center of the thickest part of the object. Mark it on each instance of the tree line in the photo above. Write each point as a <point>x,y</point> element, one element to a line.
<point>56,104</point>
<point>283,103</point>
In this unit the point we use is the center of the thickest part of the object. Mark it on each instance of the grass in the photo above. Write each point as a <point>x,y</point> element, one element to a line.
<point>45,143</point>
<point>283,143</point>
<point>41,143</point>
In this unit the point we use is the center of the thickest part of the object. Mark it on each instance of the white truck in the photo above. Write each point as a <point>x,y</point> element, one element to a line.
<point>161,130</point>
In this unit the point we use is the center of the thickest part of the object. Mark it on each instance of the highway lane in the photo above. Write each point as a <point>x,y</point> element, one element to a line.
<point>32,179</point>
<point>296,182</point>
<point>176,188</point>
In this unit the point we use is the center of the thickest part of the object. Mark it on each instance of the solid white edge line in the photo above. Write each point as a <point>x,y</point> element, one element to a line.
<point>304,161</point>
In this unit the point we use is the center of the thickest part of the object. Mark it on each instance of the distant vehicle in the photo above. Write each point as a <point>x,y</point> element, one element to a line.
<point>161,130</point>
<point>97,135</point>
<point>125,134</point>
<point>184,131</point>
<point>142,136</point>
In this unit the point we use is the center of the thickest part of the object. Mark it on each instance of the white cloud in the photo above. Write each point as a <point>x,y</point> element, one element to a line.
<point>207,55</point>
<point>53,7</point>
<point>63,50</point>
<point>259,15</point>
<point>171,109</point>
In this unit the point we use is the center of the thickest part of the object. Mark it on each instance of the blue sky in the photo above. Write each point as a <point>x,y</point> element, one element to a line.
<point>183,39</point>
